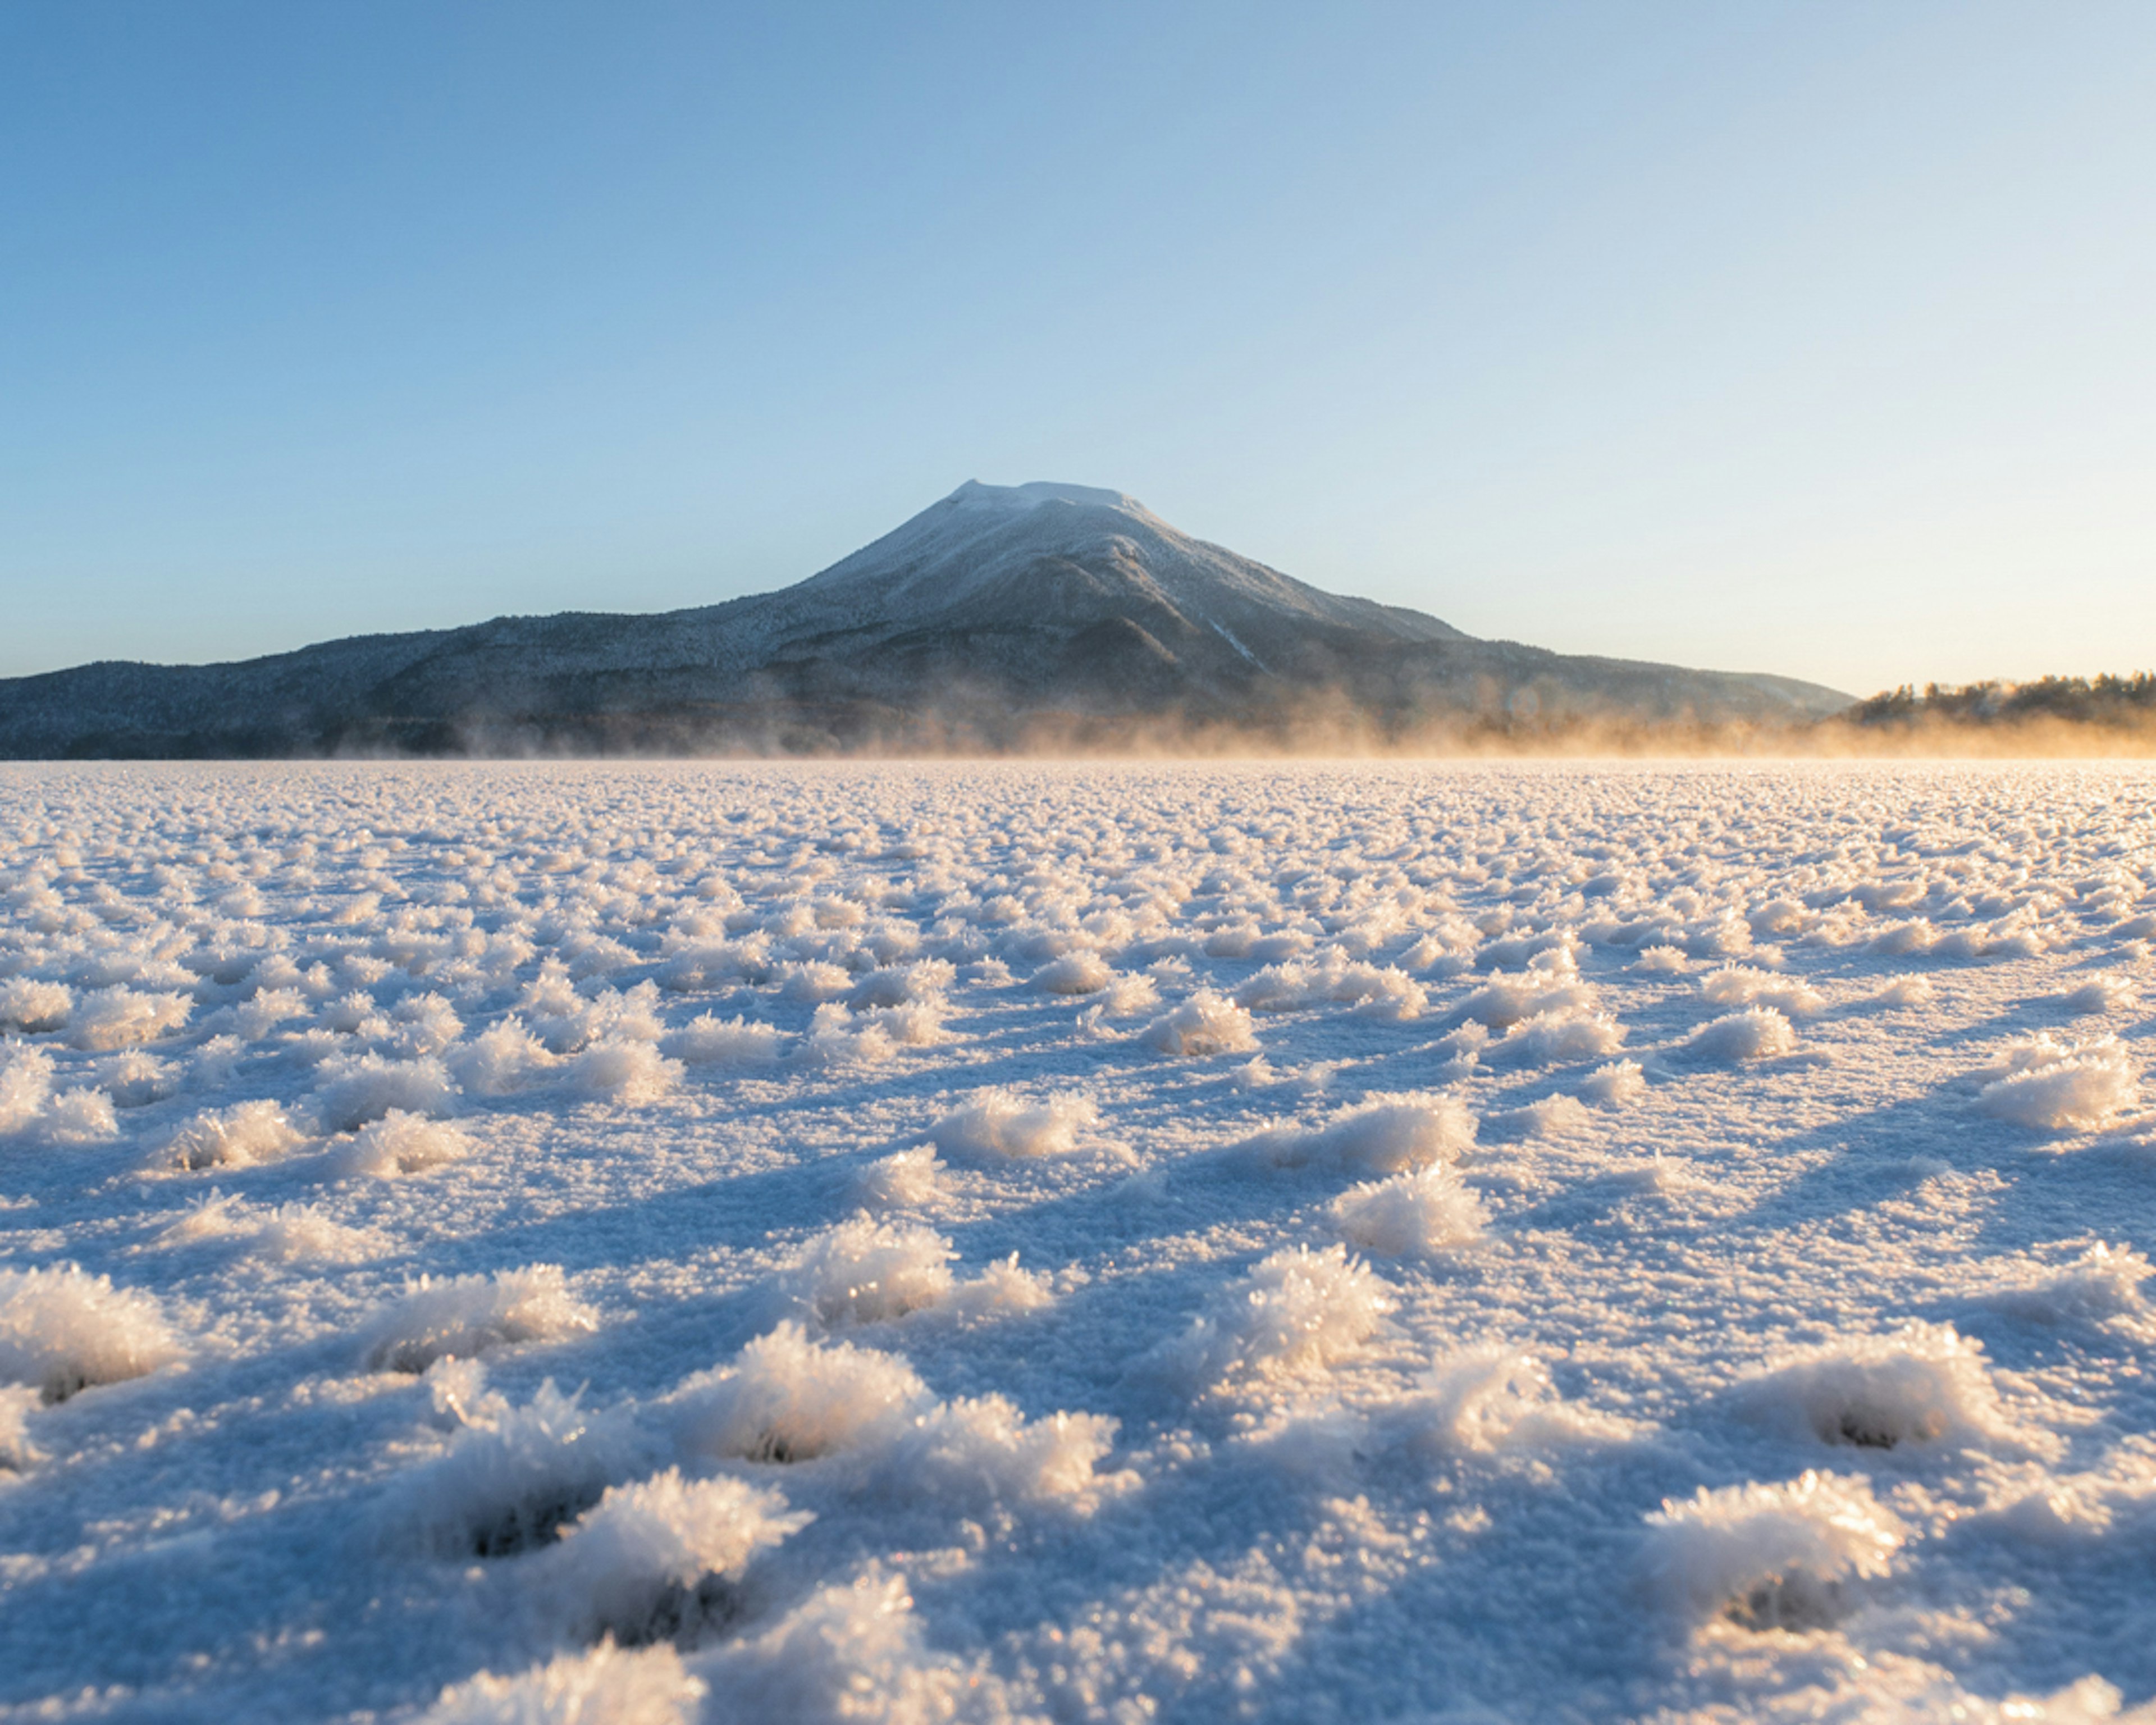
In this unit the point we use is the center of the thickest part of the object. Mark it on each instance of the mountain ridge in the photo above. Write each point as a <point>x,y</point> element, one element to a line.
<point>995,617</point>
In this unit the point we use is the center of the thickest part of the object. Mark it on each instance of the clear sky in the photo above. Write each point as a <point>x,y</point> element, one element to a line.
<point>1816,338</point>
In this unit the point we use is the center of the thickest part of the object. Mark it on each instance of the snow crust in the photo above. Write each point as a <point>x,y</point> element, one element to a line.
<point>688,1243</point>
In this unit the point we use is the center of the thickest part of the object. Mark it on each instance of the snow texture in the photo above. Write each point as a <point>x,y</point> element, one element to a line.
<point>675,1242</point>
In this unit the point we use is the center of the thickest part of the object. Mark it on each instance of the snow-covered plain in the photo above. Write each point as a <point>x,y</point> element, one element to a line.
<point>653,1243</point>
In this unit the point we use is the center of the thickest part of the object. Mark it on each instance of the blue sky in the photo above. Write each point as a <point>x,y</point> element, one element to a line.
<point>1808,338</point>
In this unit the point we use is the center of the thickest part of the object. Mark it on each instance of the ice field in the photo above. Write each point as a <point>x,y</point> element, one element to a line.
<point>1301,1243</point>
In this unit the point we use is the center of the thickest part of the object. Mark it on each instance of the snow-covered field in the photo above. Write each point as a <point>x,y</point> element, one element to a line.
<point>666,1242</point>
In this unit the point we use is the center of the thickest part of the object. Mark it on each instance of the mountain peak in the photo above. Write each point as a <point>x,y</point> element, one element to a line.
<point>1027,541</point>
<point>975,495</point>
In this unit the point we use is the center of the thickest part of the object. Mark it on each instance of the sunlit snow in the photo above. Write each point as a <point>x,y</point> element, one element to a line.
<point>666,1242</point>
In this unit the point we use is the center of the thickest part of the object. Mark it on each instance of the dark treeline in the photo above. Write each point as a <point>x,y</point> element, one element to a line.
<point>2127,703</point>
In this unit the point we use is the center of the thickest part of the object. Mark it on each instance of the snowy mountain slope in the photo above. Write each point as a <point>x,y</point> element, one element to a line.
<point>997,604</point>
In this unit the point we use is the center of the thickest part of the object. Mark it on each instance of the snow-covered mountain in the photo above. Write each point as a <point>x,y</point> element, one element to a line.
<point>1081,551</point>
<point>1000,616</point>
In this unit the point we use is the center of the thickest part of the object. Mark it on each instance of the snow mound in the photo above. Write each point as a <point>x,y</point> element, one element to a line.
<point>998,1291</point>
<point>79,1116</point>
<point>1907,991</point>
<point>1490,1399</point>
<point>238,1136</point>
<point>1758,1033</point>
<point>1127,996</point>
<point>913,1023</point>
<point>1897,939</point>
<point>501,1059</point>
<point>358,1089</point>
<point>1548,1038</point>
<point>1558,1116</point>
<point>1740,985</point>
<point>605,1685</point>
<point>1618,1085</point>
<point>906,1180</point>
<point>34,1006</point>
<point>1375,991</point>
<point>1426,1209</point>
<point>62,1331</point>
<point>835,1038</point>
<point>294,1232</point>
<point>1296,1312</point>
<point>121,1018</point>
<point>512,1476</point>
<point>400,1144</point>
<point>864,1271</point>
<point>2103,1282</point>
<point>787,1399</point>
<point>1383,1134</point>
<point>135,1079</point>
<point>467,1315</point>
<point>1924,1383</point>
<point>978,1453</point>
<point>2107,992</point>
<point>1206,1023</point>
<point>1504,1001</point>
<point>26,1085</point>
<point>852,1655</point>
<point>288,1234</point>
<point>624,1069</point>
<point>2056,1087</point>
<point>1001,1123</point>
<point>896,985</point>
<point>1082,972</point>
<point>216,1217</point>
<point>707,1040</point>
<point>425,1023</point>
<point>816,980</point>
<point>655,1560</point>
<point>1771,1556</point>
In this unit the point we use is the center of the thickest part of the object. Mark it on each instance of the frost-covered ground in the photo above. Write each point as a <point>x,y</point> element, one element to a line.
<point>642,1244</point>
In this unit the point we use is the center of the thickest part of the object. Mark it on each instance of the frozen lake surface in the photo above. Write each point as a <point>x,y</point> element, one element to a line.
<point>654,1243</point>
